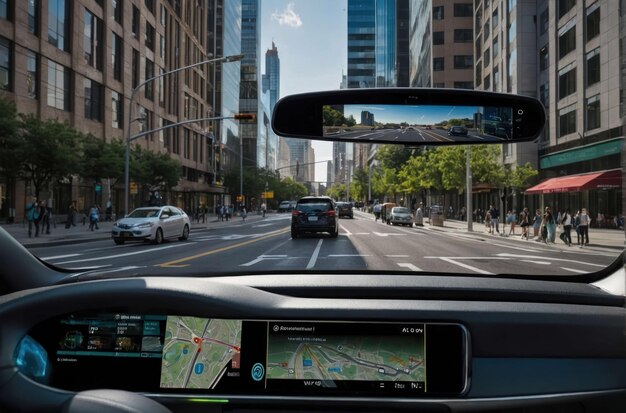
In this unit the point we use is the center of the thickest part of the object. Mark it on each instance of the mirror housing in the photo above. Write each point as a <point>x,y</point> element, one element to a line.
<point>410,116</point>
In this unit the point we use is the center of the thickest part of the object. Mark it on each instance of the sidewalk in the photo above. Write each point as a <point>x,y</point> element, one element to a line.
<point>598,238</point>
<point>80,233</point>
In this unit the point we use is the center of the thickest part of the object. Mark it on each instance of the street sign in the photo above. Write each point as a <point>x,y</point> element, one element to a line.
<point>239,198</point>
<point>133,188</point>
<point>98,187</point>
<point>268,195</point>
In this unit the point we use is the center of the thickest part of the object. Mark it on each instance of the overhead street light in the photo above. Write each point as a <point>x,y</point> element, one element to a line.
<point>224,59</point>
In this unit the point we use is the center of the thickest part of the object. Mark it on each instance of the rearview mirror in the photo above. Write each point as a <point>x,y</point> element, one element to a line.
<point>409,116</point>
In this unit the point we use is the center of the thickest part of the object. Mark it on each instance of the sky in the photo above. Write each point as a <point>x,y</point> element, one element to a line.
<point>413,115</point>
<point>311,37</point>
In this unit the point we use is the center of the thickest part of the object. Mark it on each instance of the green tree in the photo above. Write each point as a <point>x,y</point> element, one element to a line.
<point>359,184</point>
<point>337,191</point>
<point>393,156</point>
<point>10,139</point>
<point>102,159</point>
<point>288,189</point>
<point>350,121</point>
<point>48,150</point>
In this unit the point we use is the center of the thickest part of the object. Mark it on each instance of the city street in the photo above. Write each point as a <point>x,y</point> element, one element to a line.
<point>413,135</point>
<point>265,245</point>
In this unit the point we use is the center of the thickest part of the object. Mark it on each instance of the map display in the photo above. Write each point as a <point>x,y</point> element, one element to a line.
<point>197,352</point>
<point>353,358</point>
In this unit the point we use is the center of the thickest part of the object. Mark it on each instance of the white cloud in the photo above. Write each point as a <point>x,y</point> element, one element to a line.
<point>288,17</point>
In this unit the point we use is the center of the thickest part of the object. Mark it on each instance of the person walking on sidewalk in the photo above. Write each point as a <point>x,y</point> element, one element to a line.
<point>46,217</point>
<point>495,222</point>
<point>71,214</point>
<point>583,226</point>
<point>566,221</point>
<point>32,216</point>
<point>549,225</point>
<point>537,224</point>
<point>263,209</point>
<point>513,222</point>
<point>524,222</point>
<point>244,213</point>
<point>94,216</point>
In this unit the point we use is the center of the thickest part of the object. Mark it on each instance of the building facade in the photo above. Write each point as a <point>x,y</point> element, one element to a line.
<point>78,61</point>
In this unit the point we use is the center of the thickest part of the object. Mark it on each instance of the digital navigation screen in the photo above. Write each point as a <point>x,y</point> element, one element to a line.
<point>161,353</point>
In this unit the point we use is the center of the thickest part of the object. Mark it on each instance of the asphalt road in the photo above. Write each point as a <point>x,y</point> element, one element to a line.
<point>414,136</point>
<point>266,246</point>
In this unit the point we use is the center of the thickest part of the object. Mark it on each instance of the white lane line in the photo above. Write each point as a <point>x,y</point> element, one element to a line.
<point>574,270</point>
<point>262,258</point>
<point>476,136</point>
<point>345,229</point>
<point>409,266</point>
<point>503,254</point>
<point>56,257</point>
<point>348,255</point>
<point>311,263</point>
<point>397,256</point>
<point>122,255</point>
<point>520,248</point>
<point>383,234</point>
<point>466,266</point>
<point>537,262</point>
<point>262,225</point>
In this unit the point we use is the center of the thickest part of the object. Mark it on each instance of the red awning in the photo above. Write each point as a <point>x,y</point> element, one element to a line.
<point>575,183</point>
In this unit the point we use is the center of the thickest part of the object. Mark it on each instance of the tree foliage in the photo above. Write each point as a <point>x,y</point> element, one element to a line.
<point>9,139</point>
<point>337,192</point>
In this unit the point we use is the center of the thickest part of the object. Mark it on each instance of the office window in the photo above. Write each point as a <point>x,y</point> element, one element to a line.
<point>438,38</point>
<point>567,120</point>
<point>5,9</point>
<point>544,94</point>
<point>543,58</point>
<point>117,114</point>
<point>135,68</point>
<point>564,6</point>
<point>161,83</point>
<point>59,87</point>
<point>149,72</point>
<point>438,13</point>
<point>593,67</point>
<point>118,7</point>
<point>463,35</point>
<point>186,143</point>
<point>463,10</point>
<point>149,36</point>
<point>92,40</point>
<point>567,81</point>
<point>163,15</point>
<point>463,62</point>
<point>149,5</point>
<point>496,47</point>
<point>567,42</point>
<point>512,4</point>
<point>496,79</point>
<point>161,47</point>
<point>32,77</point>
<point>479,75</point>
<point>438,64</point>
<point>135,22</point>
<point>544,21</point>
<point>148,122</point>
<point>479,44</point>
<point>486,30</point>
<point>117,56</point>
<point>93,100</point>
<point>59,24</point>
<point>487,57</point>
<point>464,85</point>
<point>487,83</point>
<point>593,23</point>
<point>495,18</point>
<point>592,113</point>
<point>33,16</point>
<point>6,63</point>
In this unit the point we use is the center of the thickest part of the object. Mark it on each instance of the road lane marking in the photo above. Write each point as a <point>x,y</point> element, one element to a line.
<point>543,251</point>
<point>409,266</point>
<point>397,256</point>
<point>348,255</point>
<point>574,270</point>
<point>57,257</point>
<point>176,263</point>
<point>466,266</point>
<point>385,234</point>
<point>504,254</point>
<point>127,254</point>
<point>262,258</point>
<point>311,263</point>
<point>345,229</point>
<point>262,225</point>
<point>537,262</point>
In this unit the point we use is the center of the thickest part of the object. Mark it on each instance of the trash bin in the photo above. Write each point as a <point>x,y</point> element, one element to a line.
<point>437,215</point>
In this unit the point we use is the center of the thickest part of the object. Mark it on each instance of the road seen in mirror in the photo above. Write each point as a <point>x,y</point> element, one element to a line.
<point>264,245</point>
<point>415,134</point>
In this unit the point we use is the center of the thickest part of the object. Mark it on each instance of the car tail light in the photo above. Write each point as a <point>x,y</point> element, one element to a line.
<point>331,213</point>
<point>295,213</point>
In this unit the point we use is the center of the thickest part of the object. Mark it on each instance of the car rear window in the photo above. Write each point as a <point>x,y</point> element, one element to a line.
<point>314,206</point>
<point>400,210</point>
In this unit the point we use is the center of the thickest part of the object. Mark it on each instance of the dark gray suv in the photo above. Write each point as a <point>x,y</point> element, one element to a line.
<point>314,214</point>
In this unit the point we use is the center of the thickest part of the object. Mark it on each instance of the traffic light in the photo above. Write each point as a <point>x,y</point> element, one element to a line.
<point>245,116</point>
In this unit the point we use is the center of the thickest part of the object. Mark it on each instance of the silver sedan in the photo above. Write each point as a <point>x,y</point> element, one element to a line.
<point>401,216</point>
<point>153,224</point>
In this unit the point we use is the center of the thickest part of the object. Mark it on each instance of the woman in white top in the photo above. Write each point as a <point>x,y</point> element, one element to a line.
<point>583,227</point>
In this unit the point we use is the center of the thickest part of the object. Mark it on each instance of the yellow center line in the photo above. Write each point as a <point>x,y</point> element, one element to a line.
<point>176,263</point>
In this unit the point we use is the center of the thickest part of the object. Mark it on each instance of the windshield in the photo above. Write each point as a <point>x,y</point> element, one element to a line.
<point>550,207</point>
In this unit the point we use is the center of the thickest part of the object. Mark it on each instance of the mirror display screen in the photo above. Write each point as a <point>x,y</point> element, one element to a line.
<point>420,123</point>
<point>196,355</point>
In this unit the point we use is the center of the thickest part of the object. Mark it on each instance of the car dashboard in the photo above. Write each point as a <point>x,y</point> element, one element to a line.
<point>352,343</point>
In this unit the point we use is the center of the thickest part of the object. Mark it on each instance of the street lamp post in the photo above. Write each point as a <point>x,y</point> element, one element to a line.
<point>224,59</point>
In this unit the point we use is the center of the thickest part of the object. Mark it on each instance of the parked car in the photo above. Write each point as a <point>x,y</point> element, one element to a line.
<point>385,212</point>
<point>152,224</point>
<point>314,214</point>
<point>458,131</point>
<point>401,216</point>
<point>344,209</point>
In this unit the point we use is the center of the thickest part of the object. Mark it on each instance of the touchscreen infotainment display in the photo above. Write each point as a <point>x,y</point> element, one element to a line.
<point>172,353</point>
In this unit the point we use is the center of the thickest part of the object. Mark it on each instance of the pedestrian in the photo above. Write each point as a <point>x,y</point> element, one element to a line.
<point>513,222</point>
<point>94,216</point>
<point>566,222</point>
<point>32,216</point>
<point>47,216</point>
<point>549,224</point>
<point>230,211</point>
<point>537,224</point>
<point>263,209</point>
<point>71,213</point>
<point>524,221</point>
<point>244,213</point>
<point>488,221</point>
<point>222,213</point>
<point>583,226</point>
<point>377,209</point>
<point>495,215</point>
<point>109,210</point>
